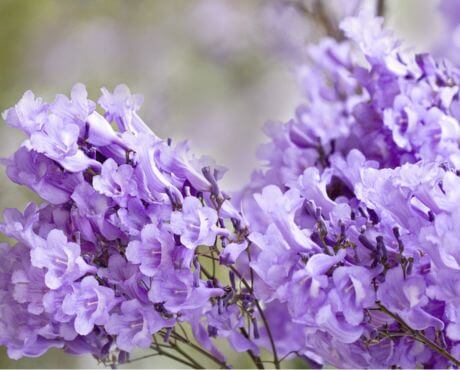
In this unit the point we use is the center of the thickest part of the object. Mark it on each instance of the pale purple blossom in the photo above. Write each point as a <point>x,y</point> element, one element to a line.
<point>135,325</point>
<point>90,303</point>
<point>152,251</point>
<point>196,224</point>
<point>61,259</point>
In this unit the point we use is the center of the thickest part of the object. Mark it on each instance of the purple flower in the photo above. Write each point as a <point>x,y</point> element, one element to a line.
<point>183,164</point>
<point>354,292</point>
<point>96,344</point>
<point>179,290</point>
<point>91,213</point>
<point>58,141</point>
<point>56,138</point>
<point>101,134</point>
<point>280,210</point>
<point>132,219</point>
<point>273,264</point>
<point>90,303</point>
<point>227,323</point>
<point>120,106</point>
<point>338,328</point>
<point>41,175</point>
<point>352,225</point>
<point>231,252</point>
<point>53,304</point>
<point>110,196</point>
<point>407,297</point>
<point>123,275</point>
<point>28,115</point>
<point>135,325</point>
<point>77,108</point>
<point>21,226</point>
<point>116,182</point>
<point>196,224</point>
<point>154,181</point>
<point>30,288</point>
<point>151,251</point>
<point>314,277</point>
<point>61,259</point>
<point>444,233</point>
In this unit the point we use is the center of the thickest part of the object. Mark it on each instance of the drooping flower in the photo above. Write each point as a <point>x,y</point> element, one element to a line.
<point>42,175</point>
<point>354,292</point>
<point>61,259</point>
<point>135,325</point>
<point>116,182</point>
<point>152,251</point>
<point>196,224</point>
<point>58,141</point>
<point>91,303</point>
<point>28,115</point>
<point>179,291</point>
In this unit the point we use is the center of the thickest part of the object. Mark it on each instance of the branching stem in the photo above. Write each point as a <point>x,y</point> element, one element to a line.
<point>418,336</point>
<point>262,316</point>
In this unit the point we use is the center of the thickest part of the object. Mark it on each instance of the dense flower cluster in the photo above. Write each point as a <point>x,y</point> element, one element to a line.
<point>110,258</point>
<point>354,224</point>
<point>343,252</point>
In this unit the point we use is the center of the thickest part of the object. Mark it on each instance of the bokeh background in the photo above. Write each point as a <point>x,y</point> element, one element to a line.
<point>211,71</point>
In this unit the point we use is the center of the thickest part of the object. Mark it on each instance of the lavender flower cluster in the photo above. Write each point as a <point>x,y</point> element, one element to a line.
<point>354,223</point>
<point>110,258</point>
<point>343,252</point>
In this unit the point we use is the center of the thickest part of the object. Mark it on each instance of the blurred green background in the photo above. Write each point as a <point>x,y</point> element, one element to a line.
<point>211,71</point>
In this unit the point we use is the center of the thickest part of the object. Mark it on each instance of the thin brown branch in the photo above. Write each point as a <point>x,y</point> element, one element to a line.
<point>418,336</point>
<point>256,359</point>
<point>141,358</point>
<point>222,364</point>
<point>319,15</point>
<point>262,316</point>
<point>380,8</point>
